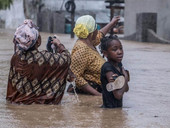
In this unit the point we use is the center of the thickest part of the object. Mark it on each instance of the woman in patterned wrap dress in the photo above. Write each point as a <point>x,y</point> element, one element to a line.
<point>36,76</point>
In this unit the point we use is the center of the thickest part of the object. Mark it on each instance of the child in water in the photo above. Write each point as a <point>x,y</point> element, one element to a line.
<point>112,49</point>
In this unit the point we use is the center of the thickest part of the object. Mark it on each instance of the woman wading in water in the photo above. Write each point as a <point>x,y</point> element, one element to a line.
<point>86,60</point>
<point>36,76</point>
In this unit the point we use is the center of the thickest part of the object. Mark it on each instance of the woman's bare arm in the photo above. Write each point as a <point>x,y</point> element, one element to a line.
<point>87,88</point>
<point>110,25</point>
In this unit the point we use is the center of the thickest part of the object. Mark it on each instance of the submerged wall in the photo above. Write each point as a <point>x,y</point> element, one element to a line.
<point>161,7</point>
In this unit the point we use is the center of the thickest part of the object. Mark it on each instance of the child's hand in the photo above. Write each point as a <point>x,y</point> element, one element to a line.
<point>126,74</point>
<point>113,77</point>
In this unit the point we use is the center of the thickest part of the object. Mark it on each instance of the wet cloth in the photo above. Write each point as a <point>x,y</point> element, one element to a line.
<point>26,35</point>
<point>84,26</point>
<point>38,77</point>
<point>86,64</point>
<point>109,101</point>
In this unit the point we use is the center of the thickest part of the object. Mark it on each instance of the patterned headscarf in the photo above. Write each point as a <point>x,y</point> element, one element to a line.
<point>84,25</point>
<point>26,35</point>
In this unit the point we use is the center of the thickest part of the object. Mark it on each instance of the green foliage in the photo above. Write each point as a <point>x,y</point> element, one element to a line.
<point>4,4</point>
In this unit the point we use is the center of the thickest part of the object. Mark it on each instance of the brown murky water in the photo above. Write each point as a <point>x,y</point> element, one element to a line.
<point>146,105</point>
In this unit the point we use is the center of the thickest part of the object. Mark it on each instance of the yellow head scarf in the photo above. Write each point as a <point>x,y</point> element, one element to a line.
<point>84,25</point>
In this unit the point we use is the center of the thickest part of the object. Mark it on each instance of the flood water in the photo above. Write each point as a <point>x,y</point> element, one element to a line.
<point>146,105</point>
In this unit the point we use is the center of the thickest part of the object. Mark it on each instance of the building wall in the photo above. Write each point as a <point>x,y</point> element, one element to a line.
<point>80,4</point>
<point>15,15</point>
<point>161,7</point>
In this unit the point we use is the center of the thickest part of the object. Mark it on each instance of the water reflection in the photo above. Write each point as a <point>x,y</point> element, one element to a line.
<point>116,118</point>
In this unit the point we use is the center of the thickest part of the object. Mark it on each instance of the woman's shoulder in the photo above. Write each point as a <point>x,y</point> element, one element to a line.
<point>80,44</point>
<point>80,47</point>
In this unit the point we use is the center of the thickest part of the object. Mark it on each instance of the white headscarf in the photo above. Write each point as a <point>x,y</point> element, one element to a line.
<point>26,35</point>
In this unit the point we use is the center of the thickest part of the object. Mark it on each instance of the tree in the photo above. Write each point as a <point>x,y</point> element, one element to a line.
<point>4,4</point>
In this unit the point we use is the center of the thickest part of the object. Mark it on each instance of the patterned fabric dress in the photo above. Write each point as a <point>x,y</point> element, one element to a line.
<point>38,77</point>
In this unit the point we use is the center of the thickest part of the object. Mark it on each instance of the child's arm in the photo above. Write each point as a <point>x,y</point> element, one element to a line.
<point>119,92</point>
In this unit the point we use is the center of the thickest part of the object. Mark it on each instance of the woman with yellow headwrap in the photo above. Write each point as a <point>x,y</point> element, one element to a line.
<point>86,61</point>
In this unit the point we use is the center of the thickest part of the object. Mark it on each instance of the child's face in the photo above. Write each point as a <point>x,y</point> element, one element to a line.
<point>115,51</point>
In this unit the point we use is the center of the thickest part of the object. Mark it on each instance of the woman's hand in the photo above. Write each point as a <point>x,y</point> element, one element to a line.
<point>88,89</point>
<point>110,25</point>
<point>71,77</point>
<point>115,20</point>
<point>56,41</point>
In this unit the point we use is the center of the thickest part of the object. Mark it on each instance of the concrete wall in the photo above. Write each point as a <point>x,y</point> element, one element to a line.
<point>80,4</point>
<point>13,16</point>
<point>161,7</point>
<point>51,22</point>
<point>163,28</point>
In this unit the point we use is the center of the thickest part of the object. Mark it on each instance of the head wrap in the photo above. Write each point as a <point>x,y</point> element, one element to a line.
<point>26,35</point>
<point>84,25</point>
